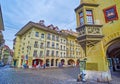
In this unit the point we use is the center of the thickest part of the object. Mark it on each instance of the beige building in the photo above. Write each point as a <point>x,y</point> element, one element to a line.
<point>37,43</point>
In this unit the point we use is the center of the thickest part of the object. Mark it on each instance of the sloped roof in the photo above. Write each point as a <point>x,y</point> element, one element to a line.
<point>30,25</point>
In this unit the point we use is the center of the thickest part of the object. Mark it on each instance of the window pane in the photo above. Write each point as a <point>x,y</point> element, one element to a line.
<point>89,16</point>
<point>48,37</point>
<point>81,18</point>
<point>36,44</point>
<point>89,20</point>
<point>41,53</point>
<point>81,14</point>
<point>52,53</point>
<point>81,21</point>
<point>42,35</point>
<point>41,45</point>
<point>47,54</point>
<point>37,34</point>
<point>35,53</point>
<point>53,45</point>
<point>48,44</point>
<point>89,12</point>
<point>53,37</point>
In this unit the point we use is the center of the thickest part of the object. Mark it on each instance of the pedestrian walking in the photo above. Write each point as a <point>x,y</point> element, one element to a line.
<point>44,66</point>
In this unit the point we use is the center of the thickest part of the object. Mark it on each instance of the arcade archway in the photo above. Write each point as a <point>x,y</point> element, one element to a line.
<point>52,62</point>
<point>62,61</point>
<point>113,53</point>
<point>47,62</point>
<point>36,62</point>
<point>56,62</point>
<point>71,62</point>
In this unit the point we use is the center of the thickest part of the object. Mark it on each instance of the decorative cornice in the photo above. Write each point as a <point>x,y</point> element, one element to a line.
<point>84,37</point>
<point>88,25</point>
<point>86,4</point>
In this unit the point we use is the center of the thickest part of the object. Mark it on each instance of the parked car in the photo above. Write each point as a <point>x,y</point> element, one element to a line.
<point>1,64</point>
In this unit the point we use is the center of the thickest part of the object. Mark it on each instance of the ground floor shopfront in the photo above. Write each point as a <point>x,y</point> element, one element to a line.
<point>47,62</point>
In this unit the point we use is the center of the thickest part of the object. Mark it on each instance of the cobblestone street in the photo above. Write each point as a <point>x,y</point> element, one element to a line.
<point>46,76</point>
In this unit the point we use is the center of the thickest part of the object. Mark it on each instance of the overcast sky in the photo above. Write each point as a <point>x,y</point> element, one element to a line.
<point>17,13</point>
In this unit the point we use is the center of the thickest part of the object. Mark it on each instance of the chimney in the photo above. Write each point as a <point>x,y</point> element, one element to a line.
<point>41,22</point>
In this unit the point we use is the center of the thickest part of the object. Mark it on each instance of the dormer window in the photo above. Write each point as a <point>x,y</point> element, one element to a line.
<point>81,19</point>
<point>89,17</point>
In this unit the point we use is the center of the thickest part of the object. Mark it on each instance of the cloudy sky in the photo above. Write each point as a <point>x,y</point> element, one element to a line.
<point>17,13</point>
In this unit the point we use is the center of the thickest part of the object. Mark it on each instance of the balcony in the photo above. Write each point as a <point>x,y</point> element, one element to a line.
<point>90,32</point>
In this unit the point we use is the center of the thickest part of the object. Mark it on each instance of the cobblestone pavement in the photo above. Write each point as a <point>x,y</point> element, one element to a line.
<point>46,76</point>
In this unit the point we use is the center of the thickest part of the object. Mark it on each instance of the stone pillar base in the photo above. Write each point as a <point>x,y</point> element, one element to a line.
<point>99,76</point>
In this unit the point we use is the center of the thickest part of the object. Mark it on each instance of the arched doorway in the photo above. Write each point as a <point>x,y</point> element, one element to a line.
<point>62,61</point>
<point>52,62</point>
<point>113,53</point>
<point>36,62</point>
<point>47,62</point>
<point>56,62</point>
<point>71,62</point>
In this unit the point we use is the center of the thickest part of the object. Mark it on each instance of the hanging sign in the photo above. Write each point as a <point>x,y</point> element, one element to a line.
<point>110,13</point>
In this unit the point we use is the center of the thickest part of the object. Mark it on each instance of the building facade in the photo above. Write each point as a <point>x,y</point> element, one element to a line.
<point>37,44</point>
<point>1,35</point>
<point>7,55</point>
<point>98,25</point>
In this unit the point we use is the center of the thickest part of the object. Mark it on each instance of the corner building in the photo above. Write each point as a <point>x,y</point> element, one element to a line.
<point>98,24</point>
<point>37,44</point>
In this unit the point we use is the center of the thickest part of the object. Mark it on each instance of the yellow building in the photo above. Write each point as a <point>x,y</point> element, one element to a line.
<point>98,25</point>
<point>37,44</point>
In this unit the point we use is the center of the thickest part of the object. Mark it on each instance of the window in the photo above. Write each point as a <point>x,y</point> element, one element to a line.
<point>81,18</point>
<point>64,47</point>
<point>53,37</point>
<point>48,53</point>
<point>64,41</point>
<point>110,13</point>
<point>41,53</point>
<point>35,53</point>
<point>36,44</point>
<point>57,53</point>
<point>57,46</point>
<point>64,55</point>
<point>24,38</point>
<point>48,36</point>
<point>52,53</point>
<point>42,35</point>
<point>48,44</point>
<point>61,40</point>
<point>61,54</point>
<point>41,45</point>
<point>89,16</point>
<point>53,45</point>
<point>61,47</point>
<point>57,38</point>
<point>22,48</point>
<point>23,43</point>
<point>36,34</point>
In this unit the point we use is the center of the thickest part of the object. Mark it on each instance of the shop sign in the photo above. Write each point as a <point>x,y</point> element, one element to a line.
<point>110,13</point>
